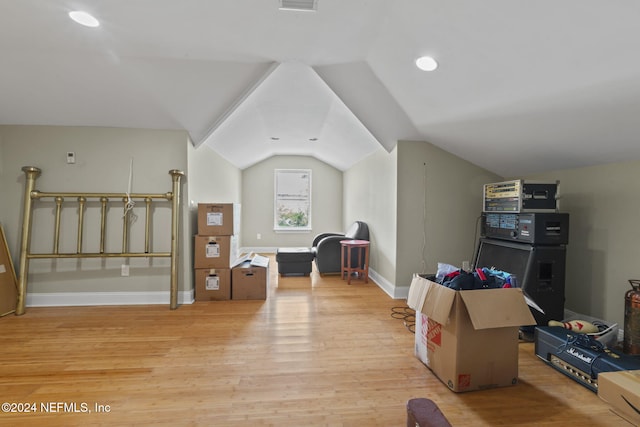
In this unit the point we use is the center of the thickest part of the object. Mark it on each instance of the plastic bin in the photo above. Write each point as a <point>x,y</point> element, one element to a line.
<point>608,334</point>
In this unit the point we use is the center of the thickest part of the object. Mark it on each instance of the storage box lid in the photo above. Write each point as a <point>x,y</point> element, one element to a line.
<point>438,301</point>
<point>259,261</point>
<point>497,308</point>
<point>417,293</point>
<point>487,308</point>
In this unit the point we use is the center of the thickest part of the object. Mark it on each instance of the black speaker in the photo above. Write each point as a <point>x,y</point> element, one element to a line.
<point>540,272</point>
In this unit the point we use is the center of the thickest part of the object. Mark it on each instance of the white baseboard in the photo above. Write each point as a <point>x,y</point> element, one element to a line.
<point>395,292</point>
<point>105,298</point>
<point>61,299</point>
<point>259,250</point>
<point>389,288</point>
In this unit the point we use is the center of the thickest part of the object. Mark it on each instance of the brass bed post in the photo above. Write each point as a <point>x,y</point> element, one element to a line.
<point>147,224</point>
<point>31,174</point>
<point>81,202</point>
<point>103,221</point>
<point>56,227</point>
<point>175,205</point>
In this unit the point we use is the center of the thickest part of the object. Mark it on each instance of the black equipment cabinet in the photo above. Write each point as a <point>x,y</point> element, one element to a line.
<point>539,269</point>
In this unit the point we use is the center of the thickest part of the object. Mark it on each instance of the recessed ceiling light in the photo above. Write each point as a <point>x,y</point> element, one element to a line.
<point>83,18</point>
<point>426,63</point>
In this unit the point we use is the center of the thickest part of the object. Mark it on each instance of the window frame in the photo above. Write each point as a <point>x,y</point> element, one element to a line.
<point>299,193</point>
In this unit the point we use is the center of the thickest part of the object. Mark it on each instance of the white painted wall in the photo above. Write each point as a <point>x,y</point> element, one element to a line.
<point>103,157</point>
<point>212,179</point>
<point>421,204</point>
<point>439,203</point>
<point>370,195</point>
<point>604,248</point>
<point>258,197</point>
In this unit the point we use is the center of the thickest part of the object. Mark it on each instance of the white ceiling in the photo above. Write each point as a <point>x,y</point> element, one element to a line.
<point>522,87</point>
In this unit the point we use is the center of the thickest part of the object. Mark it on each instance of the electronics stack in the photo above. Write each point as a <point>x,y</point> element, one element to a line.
<point>523,233</point>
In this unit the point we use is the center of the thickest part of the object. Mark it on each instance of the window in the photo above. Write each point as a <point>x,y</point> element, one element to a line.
<point>292,200</point>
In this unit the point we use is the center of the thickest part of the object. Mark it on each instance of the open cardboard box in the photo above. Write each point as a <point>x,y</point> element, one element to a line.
<point>469,339</point>
<point>250,278</point>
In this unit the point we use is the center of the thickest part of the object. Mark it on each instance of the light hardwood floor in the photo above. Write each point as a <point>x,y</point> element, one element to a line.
<point>316,353</point>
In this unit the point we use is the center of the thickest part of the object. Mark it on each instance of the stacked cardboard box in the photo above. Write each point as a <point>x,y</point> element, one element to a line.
<point>215,250</point>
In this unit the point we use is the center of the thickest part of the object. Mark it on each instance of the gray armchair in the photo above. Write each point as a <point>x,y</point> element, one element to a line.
<point>326,246</point>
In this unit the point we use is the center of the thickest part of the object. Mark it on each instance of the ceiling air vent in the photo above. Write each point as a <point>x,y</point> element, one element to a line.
<point>299,5</point>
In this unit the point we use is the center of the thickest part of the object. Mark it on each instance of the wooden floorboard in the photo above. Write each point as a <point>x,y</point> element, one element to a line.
<point>317,352</point>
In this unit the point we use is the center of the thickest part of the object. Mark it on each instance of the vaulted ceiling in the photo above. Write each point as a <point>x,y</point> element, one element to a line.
<point>521,87</point>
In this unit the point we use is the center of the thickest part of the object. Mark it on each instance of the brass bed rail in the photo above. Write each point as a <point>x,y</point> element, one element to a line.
<point>31,195</point>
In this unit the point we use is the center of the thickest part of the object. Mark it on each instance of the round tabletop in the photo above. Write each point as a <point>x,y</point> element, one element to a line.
<point>354,242</point>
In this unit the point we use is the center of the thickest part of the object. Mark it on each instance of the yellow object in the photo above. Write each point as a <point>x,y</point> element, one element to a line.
<point>580,326</point>
<point>31,195</point>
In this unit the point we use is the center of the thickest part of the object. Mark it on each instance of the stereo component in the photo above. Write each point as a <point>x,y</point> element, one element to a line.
<point>537,228</point>
<point>579,356</point>
<point>519,196</point>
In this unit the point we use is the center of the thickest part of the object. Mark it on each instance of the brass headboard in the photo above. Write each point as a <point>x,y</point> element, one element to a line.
<point>31,195</point>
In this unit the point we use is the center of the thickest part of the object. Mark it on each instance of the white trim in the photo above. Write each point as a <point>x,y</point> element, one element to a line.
<point>260,249</point>
<point>395,292</point>
<point>389,288</point>
<point>234,106</point>
<point>278,177</point>
<point>61,299</point>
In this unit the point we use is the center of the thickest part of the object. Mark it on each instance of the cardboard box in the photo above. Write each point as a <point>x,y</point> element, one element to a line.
<point>218,219</point>
<point>471,336</point>
<point>415,301</point>
<point>213,284</point>
<point>250,281</point>
<point>215,251</point>
<point>621,390</point>
<point>8,289</point>
<point>421,330</point>
<point>8,282</point>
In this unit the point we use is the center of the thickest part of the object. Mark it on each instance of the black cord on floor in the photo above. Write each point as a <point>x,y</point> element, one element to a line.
<point>407,315</point>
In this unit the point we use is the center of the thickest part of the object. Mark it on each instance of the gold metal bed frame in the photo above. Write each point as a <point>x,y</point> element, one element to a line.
<point>32,195</point>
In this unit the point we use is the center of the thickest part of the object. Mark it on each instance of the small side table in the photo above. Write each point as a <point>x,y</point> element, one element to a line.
<point>362,248</point>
